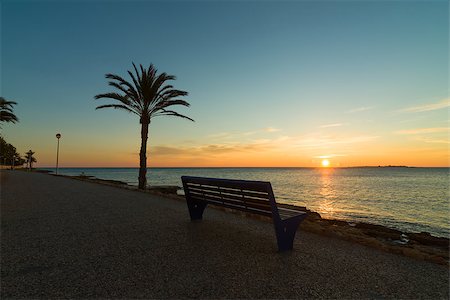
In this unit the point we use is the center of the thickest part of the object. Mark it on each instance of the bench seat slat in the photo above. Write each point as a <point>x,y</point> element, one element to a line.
<point>238,207</point>
<point>257,186</point>
<point>262,195</point>
<point>237,197</point>
<point>260,205</point>
<point>219,201</point>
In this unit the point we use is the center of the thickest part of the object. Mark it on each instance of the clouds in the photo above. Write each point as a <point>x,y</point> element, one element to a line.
<point>306,146</point>
<point>271,129</point>
<point>240,135</point>
<point>345,139</point>
<point>224,145</point>
<point>437,136</point>
<point>423,130</point>
<point>360,109</point>
<point>324,141</point>
<point>444,103</point>
<point>433,140</point>
<point>329,156</point>
<point>210,149</point>
<point>432,135</point>
<point>331,125</point>
<point>428,107</point>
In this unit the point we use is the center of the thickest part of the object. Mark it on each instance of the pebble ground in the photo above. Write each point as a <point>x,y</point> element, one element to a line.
<point>63,238</point>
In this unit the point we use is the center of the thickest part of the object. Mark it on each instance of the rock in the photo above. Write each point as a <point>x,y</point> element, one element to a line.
<point>335,222</point>
<point>379,231</point>
<point>438,260</point>
<point>414,253</point>
<point>110,181</point>
<point>312,215</point>
<point>164,189</point>
<point>426,238</point>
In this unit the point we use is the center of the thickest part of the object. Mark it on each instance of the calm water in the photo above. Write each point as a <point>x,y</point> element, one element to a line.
<point>409,199</point>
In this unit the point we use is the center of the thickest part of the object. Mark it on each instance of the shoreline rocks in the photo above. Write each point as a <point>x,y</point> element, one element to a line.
<point>423,246</point>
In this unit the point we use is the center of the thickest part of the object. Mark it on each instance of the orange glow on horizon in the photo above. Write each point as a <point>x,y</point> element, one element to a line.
<point>78,155</point>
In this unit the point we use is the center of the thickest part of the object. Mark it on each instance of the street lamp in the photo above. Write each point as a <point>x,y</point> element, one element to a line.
<point>58,136</point>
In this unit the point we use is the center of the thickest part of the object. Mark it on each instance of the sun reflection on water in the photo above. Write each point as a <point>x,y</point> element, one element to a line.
<point>327,207</point>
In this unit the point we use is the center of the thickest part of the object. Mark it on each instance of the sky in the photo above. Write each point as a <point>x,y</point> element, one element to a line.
<point>271,83</point>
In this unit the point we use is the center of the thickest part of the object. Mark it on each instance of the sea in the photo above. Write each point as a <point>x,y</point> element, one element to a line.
<point>407,199</point>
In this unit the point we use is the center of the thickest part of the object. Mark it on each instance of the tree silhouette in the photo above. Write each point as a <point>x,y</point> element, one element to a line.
<point>30,159</point>
<point>9,155</point>
<point>147,96</point>
<point>6,111</point>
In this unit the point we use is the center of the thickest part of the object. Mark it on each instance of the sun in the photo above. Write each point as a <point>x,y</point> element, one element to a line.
<point>325,163</point>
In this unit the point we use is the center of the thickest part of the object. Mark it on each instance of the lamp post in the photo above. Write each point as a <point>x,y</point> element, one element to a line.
<point>58,136</point>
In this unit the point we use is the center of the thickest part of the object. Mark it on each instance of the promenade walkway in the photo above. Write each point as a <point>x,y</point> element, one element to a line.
<point>63,238</point>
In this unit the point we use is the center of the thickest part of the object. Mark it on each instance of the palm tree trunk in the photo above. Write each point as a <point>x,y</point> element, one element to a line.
<point>143,157</point>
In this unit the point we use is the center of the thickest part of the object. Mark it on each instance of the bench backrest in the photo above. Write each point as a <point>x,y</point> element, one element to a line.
<point>252,196</point>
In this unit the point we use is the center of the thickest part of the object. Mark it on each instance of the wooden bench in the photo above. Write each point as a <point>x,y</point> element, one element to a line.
<point>248,196</point>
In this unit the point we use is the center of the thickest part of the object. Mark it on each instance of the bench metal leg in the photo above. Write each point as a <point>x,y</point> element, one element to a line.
<point>285,231</point>
<point>196,209</point>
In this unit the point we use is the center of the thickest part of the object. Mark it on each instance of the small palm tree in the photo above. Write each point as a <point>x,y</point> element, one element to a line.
<point>6,111</point>
<point>30,159</point>
<point>147,96</point>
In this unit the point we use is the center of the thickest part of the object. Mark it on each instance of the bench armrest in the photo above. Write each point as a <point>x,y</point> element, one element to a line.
<point>287,213</point>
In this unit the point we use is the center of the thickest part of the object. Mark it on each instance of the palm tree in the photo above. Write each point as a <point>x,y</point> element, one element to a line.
<point>6,112</point>
<point>147,96</point>
<point>30,159</point>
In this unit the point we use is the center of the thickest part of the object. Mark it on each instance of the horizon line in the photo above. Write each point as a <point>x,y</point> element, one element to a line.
<point>250,167</point>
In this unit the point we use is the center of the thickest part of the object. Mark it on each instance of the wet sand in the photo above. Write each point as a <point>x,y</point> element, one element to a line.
<point>63,238</point>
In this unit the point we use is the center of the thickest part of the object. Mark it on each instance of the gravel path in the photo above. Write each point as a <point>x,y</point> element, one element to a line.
<point>63,238</point>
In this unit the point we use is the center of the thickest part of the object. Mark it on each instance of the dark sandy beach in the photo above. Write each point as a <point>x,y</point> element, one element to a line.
<point>63,238</point>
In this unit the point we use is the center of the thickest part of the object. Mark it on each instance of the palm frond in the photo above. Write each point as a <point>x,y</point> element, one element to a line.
<point>114,96</point>
<point>170,113</point>
<point>137,72</point>
<point>4,102</point>
<point>156,89</point>
<point>163,77</point>
<point>6,108</point>
<point>121,88</point>
<point>116,106</point>
<point>122,99</point>
<point>6,111</point>
<point>163,104</point>
<point>6,116</point>
<point>122,82</point>
<point>133,99</point>
<point>136,82</point>
<point>151,72</point>
<point>173,94</point>
<point>164,89</point>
